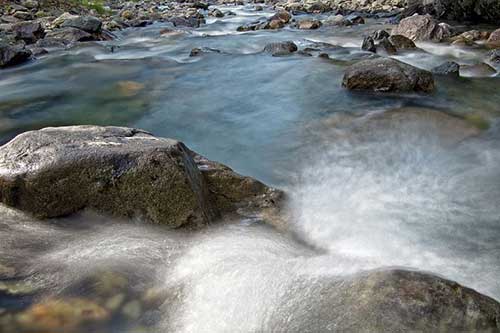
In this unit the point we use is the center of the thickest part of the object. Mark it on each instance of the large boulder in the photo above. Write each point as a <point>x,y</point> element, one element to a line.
<point>385,75</point>
<point>121,172</point>
<point>422,27</point>
<point>11,55</point>
<point>385,301</point>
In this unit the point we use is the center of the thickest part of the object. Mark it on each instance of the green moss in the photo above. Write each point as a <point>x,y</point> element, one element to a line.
<point>478,121</point>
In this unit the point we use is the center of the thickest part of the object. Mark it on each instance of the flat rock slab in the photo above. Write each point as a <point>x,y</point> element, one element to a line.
<point>121,172</point>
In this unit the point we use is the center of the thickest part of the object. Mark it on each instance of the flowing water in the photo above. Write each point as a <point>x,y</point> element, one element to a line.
<point>373,180</point>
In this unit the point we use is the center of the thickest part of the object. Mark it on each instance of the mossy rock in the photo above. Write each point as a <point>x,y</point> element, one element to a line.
<point>122,172</point>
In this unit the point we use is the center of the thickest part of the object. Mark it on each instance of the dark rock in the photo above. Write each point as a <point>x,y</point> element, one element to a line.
<point>122,172</point>
<point>380,34</point>
<point>49,42</point>
<point>401,42</point>
<point>387,46</point>
<point>369,44</point>
<point>386,75</point>
<point>24,16</point>
<point>11,55</point>
<point>355,19</point>
<point>198,51</point>
<point>191,22</point>
<point>30,32</point>
<point>70,35</point>
<point>200,5</point>
<point>216,13</point>
<point>422,27</point>
<point>37,51</point>
<point>9,19</point>
<point>448,68</point>
<point>139,23</point>
<point>281,48</point>
<point>463,10</point>
<point>88,24</point>
<point>385,301</point>
<point>494,56</point>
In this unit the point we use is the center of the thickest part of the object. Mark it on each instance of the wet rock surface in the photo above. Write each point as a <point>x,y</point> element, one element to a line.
<point>121,172</point>
<point>392,300</point>
<point>386,75</point>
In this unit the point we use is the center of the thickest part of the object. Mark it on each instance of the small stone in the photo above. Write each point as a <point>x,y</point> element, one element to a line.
<point>132,310</point>
<point>114,303</point>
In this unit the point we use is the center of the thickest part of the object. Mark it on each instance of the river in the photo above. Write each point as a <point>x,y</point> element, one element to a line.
<point>373,180</point>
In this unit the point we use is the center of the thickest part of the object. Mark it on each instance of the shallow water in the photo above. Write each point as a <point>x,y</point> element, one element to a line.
<point>366,191</point>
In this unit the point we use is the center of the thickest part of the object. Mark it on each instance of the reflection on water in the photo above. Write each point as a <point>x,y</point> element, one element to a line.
<point>369,188</point>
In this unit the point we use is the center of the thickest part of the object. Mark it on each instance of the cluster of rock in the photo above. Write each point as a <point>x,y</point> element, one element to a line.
<point>125,173</point>
<point>463,10</point>
<point>284,17</point>
<point>29,28</point>
<point>346,6</point>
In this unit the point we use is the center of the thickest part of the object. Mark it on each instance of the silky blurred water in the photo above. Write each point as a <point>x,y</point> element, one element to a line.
<point>366,190</point>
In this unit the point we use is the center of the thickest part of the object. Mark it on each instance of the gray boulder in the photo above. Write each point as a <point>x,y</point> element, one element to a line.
<point>385,75</point>
<point>281,48</point>
<point>384,301</point>
<point>11,55</point>
<point>122,172</point>
<point>88,24</point>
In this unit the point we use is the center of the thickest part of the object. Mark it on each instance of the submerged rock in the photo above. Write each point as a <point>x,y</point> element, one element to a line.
<point>122,172</point>
<point>477,70</point>
<point>448,68</point>
<point>385,301</point>
<point>281,48</point>
<point>386,75</point>
<point>62,315</point>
